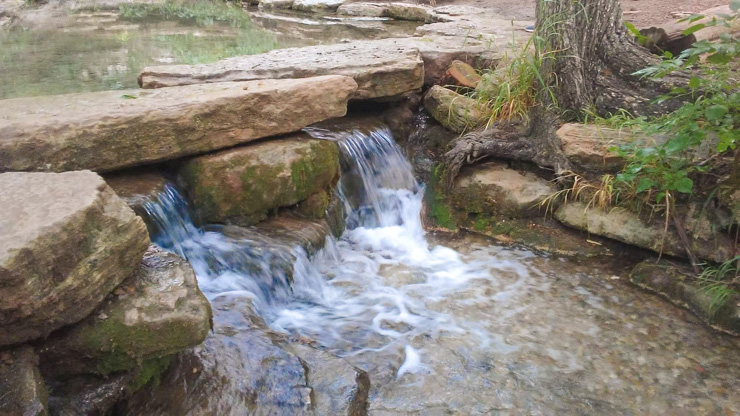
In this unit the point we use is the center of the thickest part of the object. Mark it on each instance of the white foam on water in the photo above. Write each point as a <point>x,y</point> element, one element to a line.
<point>344,295</point>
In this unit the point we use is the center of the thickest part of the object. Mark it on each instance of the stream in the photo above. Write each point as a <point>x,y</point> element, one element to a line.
<point>455,324</point>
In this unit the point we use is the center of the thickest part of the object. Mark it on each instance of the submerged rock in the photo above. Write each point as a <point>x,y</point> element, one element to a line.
<point>109,130</point>
<point>275,4</point>
<point>456,112</point>
<point>243,368</point>
<point>94,395</point>
<point>381,69</point>
<point>243,185</point>
<point>22,391</point>
<point>68,241</point>
<point>679,285</point>
<point>627,227</point>
<point>494,189</point>
<point>314,6</point>
<point>157,312</point>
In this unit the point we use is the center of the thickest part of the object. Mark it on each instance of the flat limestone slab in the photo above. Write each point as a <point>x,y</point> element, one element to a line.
<point>381,69</point>
<point>109,130</point>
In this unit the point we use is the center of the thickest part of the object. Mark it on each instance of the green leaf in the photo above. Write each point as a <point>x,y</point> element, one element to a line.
<point>694,82</point>
<point>684,185</point>
<point>693,29</point>
<point>677,144</point>
<point>719,58</point>
<point>716,112</point>
<point>128,97</point>
<point>645,184</point>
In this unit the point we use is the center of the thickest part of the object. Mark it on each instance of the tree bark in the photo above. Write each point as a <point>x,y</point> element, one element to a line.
<point>588,61</point>
<point>590,58</point>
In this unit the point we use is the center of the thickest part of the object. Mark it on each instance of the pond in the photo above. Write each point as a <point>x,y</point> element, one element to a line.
<point>97,50</point>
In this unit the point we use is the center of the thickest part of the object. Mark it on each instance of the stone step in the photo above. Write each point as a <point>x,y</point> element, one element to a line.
<point>381,69</point>
<point>109,130</point>
<point>243,185</point>
<point>68,241</point>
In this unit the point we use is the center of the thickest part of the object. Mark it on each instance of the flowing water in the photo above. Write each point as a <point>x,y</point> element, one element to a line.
<point>455,324</point>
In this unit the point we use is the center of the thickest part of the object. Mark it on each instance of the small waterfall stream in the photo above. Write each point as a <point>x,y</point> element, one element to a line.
<point>449,324</point>
<point>340,296</point>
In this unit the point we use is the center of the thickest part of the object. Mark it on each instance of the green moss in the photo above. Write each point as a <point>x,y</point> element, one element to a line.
<point>481,224</point>
<point>120,347</point>
<point>150,372</point>
<point>315,205</point>
<point>439,209</point>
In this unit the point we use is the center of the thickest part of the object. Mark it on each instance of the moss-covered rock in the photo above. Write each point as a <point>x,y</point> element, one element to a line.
<point>679,285</point>
<point>627,227</point>
<point>494,189</point>
<point>157,312</point>
<point>22,390</point>
<point>243,185</point>
<point>454,111</point>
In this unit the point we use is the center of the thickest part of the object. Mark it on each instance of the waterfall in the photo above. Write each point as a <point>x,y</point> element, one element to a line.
<point>366,291</point>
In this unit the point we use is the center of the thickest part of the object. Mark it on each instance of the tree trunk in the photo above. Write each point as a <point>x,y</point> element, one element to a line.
<point>588,60</point>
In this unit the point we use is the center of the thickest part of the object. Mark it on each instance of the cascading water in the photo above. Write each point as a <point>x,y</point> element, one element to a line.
<point>472,329</point>
<point>340,296</point>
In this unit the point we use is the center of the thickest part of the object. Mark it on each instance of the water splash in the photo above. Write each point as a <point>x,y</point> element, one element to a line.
<point>377,287</point>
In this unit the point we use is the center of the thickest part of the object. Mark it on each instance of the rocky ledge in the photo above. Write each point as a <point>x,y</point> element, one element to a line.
<point>110,130</point>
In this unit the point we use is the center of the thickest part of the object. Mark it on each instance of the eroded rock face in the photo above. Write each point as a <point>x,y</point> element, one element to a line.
<point>399,11</point>
<point>627,227</point>
<point>102,131</point>
<point>454,111</point>
<point>380,69</point>
<point>68,241</point>
<point>157,312</point>
<point>22,390</point>
<point>243,185</point>
<point>493,188</point>
<point>679,285</point>
<point>244,368</point>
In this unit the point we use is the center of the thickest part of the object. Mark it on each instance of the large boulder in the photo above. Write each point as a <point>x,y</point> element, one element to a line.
<point>627,227</point>
<point>456,112</point>
<point>22,390</point>
<point>494,189</point>
<point>157,312</point>
<point>243,185</point>
<point>679,285</point>
<point>379,68</point>
<point>68,241</point>
<point>103,131</point>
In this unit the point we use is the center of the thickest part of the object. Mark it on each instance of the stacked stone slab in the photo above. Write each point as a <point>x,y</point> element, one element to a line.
<point>109,130</point>
<point>73,283</point>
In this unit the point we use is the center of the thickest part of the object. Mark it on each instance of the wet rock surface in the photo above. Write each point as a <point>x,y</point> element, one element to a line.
<point>381,69</point>
<point>493,188</point>
<point>104,131</point>
<point>628,227</point>
<point>22,390</point>
<point>455,111</point>
<point>243,185</point>
<point>68,241</point>
<point>679,284</point>
<point>243,368</point>
<point>159,311</point>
